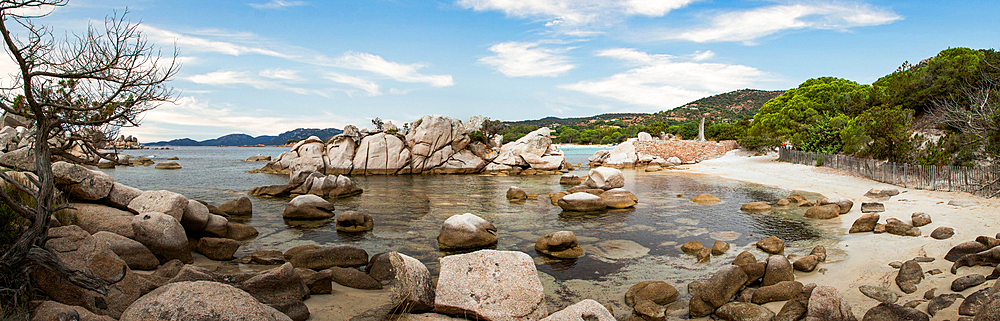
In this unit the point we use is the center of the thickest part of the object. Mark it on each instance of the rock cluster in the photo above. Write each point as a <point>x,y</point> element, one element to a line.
<point>433,144</point>
<point>601,190</point>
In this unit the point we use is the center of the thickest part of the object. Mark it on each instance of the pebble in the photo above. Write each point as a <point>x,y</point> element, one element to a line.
<point>895,264</point>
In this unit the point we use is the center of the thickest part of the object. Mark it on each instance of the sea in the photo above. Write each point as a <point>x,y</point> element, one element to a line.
<point>623,247</point>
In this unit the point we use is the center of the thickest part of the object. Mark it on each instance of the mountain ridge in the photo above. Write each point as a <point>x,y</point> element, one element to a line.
<point>240,139</point>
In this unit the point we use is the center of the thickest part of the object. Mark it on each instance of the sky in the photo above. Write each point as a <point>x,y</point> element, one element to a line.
<point>262,67</point>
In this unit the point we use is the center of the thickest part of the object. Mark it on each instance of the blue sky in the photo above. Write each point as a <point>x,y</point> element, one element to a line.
<point>262,67</point>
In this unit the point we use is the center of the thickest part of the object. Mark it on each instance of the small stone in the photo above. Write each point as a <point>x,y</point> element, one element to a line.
<point>929,294</point>
<point>865,223</point>
<point>879,293</point>
<point>942,302</point>
<point>923,259</point>
<point>692,247</point>
<point>820,252</point>
<point>515,193</point>
<point>704,256</point>
<point>872,207</point>
<point>268,257</point>
<point>705,199</point>
<point>772,245</point>
<point>934,272</point>
<point>896,264</point>
<point>720,248</point>
<point>755,207</point>
<point>920,219</point>
<point>879,228</point>
<point>806,263</point>
<point>910,274</point>
<point>968,281</point>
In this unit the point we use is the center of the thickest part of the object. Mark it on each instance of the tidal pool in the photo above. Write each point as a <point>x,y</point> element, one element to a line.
<point>623,247</point>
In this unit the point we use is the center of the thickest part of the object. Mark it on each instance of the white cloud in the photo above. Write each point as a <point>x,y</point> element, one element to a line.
<point>664,81</point>
<point>575,13</point>
<point>399,72</point>
<point>194,43</point>
<point>526,59</point>
<point>747,26</point>
<point>228,77</point>
<point>191,115</point>
<point>275,4</point>
<point>283,74</point>
<point>368,86</point>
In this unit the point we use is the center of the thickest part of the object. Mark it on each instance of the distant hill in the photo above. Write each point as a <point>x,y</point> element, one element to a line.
<point>728,106</point>
<point>244,139</point>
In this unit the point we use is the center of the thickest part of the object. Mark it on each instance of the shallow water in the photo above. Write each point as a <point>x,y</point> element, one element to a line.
<point>623,247</point>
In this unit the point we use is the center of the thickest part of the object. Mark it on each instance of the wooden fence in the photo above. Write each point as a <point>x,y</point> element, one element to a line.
<point>979,180</point>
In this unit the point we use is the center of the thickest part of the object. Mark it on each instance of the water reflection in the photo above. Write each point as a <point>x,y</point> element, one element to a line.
<point>623,247</point>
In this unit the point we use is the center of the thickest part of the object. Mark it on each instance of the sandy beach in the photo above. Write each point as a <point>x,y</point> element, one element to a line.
<point>866,256</point>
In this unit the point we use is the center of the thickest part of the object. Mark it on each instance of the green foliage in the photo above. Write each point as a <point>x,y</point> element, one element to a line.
<point>781,118</point>
<point>569,135</point>
<point>478,136</point>
<point>822,136</point>
<point>881,133</point>
<point>943,76</point>
<point>819,161</point>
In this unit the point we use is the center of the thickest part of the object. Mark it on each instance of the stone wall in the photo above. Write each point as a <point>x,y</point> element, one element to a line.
<point>687,150</point>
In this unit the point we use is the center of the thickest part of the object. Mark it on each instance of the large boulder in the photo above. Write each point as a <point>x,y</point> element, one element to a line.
<point>619,198</point>
<point>543,162</point>
<point>195,216</point>
<point>200,300</point>
<point>219,249</point>
<point>327,257</point>
<point>136,255</point>
<point>909,275</point>
<point>429,137</point>
<point>80,182</point>
<point>898,227</point>
<point>163,235</point>
<point>623,154</point>
<point>605,178</point>
<point>649,299</point>
<point>308,207</point>
<point>823,212</point>
<point>894,312</point>
<point>121,195</point>
<point>281,288</point>
<point>380,154</point>
<point>827,304</point>
<point>778,269</point>
<point>536,143</point>
<point>772,245</point>
<point>331,186</point>
<point>81,251</point>
<point>406,278</point>
<point>865,223</point>
<point>781,291</point>
<point>562,244</point>
<point>742,311</point>
<point>55,311</point>
<point>240,206</point>
<point>490,285</point>
<point>94,218</point>
<point>340,155</point>
<point>161,201</point>
<point>461,162</point>
<point>354,221</point>
<point>466,231</point>
<point>717,291</point>
<point>581,202</point>
<point>844,204</point>
<point>584,310</point>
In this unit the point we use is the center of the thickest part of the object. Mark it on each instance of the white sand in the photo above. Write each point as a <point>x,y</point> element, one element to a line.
<point>868,254</point>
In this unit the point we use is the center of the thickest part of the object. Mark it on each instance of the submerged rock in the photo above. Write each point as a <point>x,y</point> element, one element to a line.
<point>562,244</point>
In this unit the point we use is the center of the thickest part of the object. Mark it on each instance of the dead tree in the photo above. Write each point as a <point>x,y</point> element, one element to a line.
<point>102,78</point>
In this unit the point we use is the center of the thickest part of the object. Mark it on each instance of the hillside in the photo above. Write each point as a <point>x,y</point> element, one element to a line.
<point>723,107</point>
<point>244,139</point>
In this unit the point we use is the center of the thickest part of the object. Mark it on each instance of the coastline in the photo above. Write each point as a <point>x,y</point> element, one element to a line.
<point>867,255</point>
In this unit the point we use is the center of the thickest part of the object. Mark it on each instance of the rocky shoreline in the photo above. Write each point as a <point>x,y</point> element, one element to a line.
<point>146,238</point>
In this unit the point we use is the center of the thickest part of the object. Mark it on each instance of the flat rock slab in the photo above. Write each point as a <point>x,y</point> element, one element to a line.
<point>491,285</point>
